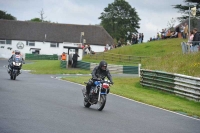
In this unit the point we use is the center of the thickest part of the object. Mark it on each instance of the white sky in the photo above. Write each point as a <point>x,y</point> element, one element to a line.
<point>154,14</point>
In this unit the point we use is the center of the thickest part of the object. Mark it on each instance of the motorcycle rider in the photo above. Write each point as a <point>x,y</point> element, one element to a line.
<point>16,52</point>
<point>98,73</point>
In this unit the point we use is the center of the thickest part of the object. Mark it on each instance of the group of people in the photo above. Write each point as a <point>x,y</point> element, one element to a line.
<point>193,41</point>
<point>172,33</point>
<point>87,49</point>
<point>72,61</point>
<point>137,38</point>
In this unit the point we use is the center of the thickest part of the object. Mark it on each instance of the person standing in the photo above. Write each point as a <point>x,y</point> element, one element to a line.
<point>142,38</point>
<point>75,58</point>
<point>195,43</point>
<point>63,56</point>
<point>185,31</point>
<point>182,31</point>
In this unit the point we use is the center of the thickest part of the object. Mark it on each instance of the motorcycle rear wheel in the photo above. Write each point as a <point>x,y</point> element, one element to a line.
<point>101,103</point>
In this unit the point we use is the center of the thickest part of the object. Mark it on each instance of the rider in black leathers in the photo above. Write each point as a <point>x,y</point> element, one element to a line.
<point>98,73</point>
<point>16,52</point>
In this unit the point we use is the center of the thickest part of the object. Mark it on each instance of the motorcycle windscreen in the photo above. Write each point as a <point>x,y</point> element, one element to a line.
<point>17,59</point>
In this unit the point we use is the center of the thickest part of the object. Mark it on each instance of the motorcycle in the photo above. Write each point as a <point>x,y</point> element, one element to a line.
<point>97,94</point>
<point>15,65</point>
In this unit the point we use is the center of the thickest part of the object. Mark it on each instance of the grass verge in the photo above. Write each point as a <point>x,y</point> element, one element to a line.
<point>51,67</point>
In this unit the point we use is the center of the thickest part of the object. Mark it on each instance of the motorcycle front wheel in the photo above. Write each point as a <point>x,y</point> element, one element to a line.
<point>101,103</point>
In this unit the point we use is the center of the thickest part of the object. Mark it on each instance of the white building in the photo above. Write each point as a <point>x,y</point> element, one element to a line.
<point>50,38</point>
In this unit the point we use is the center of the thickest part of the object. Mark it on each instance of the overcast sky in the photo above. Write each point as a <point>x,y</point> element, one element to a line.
<point>154,14</point>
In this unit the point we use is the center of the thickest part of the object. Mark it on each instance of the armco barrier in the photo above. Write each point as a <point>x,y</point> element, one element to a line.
<point>182,85</point>
<point>41,57</point>
<point>112,68</point>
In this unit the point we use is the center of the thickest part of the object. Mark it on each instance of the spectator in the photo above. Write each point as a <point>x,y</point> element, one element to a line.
<point>89,48</point>
<point>182,31</point>
<point>133,39</point>
<point>75,58</point>
<point>168,35</point>
<point>162,34</point>
<point>174,34</point>
<point>189,44</point>
<point>195,41</point>
<point>158,36</point>
<point>185,31</point>
<point>63,56</point>
<point>142,38</point>
<point>119,44</point>
<point>107,47</point>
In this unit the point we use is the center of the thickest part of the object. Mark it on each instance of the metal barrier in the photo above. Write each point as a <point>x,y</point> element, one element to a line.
<point>182,85</point>
<point>40,57</point>
<point>188,47</point>
<point>112,68</point>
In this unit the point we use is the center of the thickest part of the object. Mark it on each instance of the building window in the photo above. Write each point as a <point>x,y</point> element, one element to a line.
<point>5,41</point>
<point>30,43</point>
<point>2,41</point>
<point>54,45</point>
<point>8,41</point>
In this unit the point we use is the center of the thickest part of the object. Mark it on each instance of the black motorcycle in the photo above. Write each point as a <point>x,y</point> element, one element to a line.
<point>97,94</point>
<point>15,64</point>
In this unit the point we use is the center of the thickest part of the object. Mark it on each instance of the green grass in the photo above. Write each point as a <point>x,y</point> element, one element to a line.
<point>164,55</point>
<point>131,88</point>
<point>51,67</point>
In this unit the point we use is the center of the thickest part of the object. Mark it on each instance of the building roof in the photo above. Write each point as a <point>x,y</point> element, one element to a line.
<point>54,32</point>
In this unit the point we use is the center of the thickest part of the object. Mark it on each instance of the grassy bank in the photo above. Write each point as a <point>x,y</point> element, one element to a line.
<point>164,55</point>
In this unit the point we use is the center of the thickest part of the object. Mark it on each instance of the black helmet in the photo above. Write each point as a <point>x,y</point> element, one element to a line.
<point>103,65</point>
<point>17,52</point>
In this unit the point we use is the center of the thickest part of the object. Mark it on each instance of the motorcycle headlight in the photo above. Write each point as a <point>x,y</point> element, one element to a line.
<point>13,63</point>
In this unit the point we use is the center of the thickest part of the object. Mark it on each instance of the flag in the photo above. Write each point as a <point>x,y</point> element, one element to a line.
<point>193,11</point>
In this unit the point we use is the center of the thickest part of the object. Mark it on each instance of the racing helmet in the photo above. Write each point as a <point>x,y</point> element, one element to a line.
<point>103,65</point>
<point>17,52</point>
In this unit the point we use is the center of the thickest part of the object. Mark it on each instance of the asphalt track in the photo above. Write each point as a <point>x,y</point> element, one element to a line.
<point>43,104</point>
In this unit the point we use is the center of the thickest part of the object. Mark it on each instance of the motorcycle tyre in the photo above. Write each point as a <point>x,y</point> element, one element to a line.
<point>14,77</point>
<point>86,104</point>
<point>100,108</point>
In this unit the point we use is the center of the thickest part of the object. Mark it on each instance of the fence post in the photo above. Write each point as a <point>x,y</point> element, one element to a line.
<point>139,67</point>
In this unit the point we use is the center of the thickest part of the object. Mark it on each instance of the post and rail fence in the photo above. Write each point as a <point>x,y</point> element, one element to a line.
<point>117,57</point>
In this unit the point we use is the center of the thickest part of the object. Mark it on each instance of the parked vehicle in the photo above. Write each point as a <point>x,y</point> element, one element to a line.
<point>97,94</point>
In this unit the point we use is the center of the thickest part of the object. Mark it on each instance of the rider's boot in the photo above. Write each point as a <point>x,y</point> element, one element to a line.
<point>87,93</point>
<point>9,69</point>
<point>86,98</point>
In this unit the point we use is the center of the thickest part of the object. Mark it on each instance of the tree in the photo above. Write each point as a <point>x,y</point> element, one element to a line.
<point>36,20</point>
<point>40,19</point>
<point>171,23</point>
<point>120,19</point>
<point>4,15</point>
<point>184,8</point>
